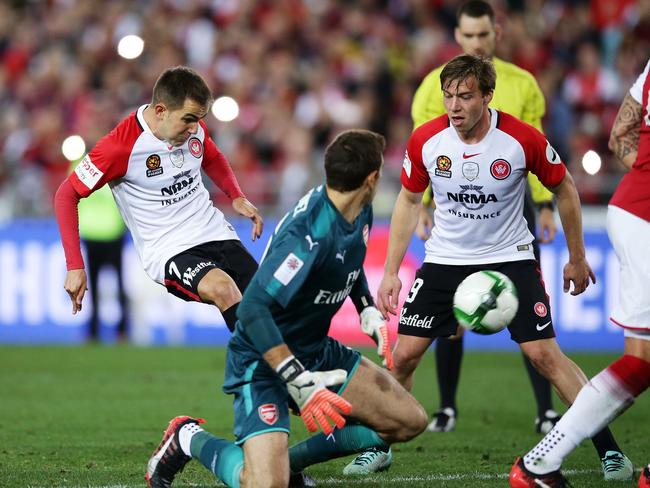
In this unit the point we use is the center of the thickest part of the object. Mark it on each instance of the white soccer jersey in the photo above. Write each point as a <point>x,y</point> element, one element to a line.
<point>479,188</point>
<point>158,190</point>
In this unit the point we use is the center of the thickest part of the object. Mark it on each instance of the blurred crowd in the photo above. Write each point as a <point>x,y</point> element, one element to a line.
<point>301,70</point>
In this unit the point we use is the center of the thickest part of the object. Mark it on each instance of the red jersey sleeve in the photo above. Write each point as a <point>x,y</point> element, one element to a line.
<point>541,158</point>
<point>218,169</point>
<point>415,176</point>
<point>108,160</point>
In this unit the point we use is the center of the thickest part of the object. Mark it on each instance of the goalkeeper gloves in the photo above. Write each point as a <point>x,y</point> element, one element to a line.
<point>374,325</point>
<point>309,390</point>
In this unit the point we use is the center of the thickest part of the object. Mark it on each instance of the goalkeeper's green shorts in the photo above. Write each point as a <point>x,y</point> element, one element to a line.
<point>262,401</point>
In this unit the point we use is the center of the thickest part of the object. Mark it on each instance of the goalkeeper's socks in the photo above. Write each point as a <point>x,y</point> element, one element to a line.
<point>342,442</point>
<point>449,357</point>
<point>224,458</point>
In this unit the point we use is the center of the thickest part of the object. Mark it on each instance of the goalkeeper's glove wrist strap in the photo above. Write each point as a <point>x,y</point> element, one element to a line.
<point>289,369</point>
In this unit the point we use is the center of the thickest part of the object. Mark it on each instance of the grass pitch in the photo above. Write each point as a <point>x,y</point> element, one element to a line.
<point>90,417</point>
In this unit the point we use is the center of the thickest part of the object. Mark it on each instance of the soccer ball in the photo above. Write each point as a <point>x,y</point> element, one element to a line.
<point>485,302</point>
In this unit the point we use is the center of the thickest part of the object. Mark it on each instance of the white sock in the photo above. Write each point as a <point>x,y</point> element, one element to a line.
<point>597,404</point>
<point>185,436</point>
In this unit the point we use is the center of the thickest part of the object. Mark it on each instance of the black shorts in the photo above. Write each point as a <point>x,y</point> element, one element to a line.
<point>428,308</point>
<point>184,271</point>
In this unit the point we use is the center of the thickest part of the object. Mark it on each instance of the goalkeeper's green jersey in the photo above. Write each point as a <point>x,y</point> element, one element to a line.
<point>312,263</point>
<point>516,93</point>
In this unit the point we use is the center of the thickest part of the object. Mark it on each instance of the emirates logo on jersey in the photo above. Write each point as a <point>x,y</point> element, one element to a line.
<point>500,169</point>
<point>195,146</point>
<point>443,165</point>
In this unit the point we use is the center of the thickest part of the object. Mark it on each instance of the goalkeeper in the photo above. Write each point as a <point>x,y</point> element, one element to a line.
<point>280,356</point>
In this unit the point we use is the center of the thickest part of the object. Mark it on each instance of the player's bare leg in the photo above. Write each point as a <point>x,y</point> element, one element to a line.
<point>381,403</point>
<point>407,354</point>
<point>565,376</point>
<point>218,288</point>
<point>383,412</point>
<point>266,461</point>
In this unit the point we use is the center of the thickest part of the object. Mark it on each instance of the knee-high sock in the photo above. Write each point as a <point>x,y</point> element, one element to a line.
<point>224,458</point>
<point>449,355</point>
<point>230,317</point>
<point>601,400</point>
<point>320,448</point>
<point>541,388</point>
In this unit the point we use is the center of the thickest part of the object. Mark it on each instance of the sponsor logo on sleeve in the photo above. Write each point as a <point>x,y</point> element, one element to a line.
<point>268,413</point>
<point>195,146</point>
<point>551,154</point>
<point>153,166</point>
<point>288,269</point>
<point>407,165</point>
<point>88,173</point>
<point>500,169</point>
<point>443,165</point>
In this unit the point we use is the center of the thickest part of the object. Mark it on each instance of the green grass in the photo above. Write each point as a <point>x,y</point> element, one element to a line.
<point>91,416</point>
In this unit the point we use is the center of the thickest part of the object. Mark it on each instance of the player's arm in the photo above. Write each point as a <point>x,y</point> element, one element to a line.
<point>66,202</point>
<point>402,225</point>
<point>373,323</point>
<point>624,138</point>
<point>309,390</point>
<point>577,270</point>
<point>107,161</point>
<point>218,169</point>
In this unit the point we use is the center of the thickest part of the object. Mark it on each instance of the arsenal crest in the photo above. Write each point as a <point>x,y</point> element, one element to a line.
<point>268,413</point>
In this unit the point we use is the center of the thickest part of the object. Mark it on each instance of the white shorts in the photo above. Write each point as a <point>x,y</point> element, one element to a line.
<point>630,237</point>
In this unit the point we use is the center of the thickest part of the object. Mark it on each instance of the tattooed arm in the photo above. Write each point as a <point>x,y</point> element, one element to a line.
<point>624,139</point>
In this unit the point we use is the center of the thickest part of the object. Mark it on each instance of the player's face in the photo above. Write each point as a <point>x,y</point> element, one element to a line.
<point>477,35</point>
<point>177,126</point>
<point>464,103</point>
<point>373,185</point>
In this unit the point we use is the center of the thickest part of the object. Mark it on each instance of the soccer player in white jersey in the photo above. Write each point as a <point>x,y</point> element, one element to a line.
<point>476,160</point>
<point>614,389</point>
<point>152,161</point>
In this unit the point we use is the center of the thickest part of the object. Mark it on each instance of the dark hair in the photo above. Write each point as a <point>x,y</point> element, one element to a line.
<point>351,157</point>
<point>175,85</point>
<point>465,66</point>
<point>475,9</point>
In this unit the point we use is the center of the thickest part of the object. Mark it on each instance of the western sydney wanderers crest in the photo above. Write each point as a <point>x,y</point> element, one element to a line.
<point>443,165</point>
<point>195,146</point>
<point>268,413</point>
<point>153,166</point>
<point>500,169</point>
<point>540,309</point>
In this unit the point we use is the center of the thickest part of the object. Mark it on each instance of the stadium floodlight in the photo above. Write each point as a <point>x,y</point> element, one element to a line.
<point>130,47</point>
<point>225,109</point>
<point>591,162</point>
<point>73,148</point>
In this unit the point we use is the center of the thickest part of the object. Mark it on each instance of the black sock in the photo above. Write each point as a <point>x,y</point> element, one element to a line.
<point>449,355</point>
<point>604,441</point>
<point>541,389</point>
<point>230,316</point>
